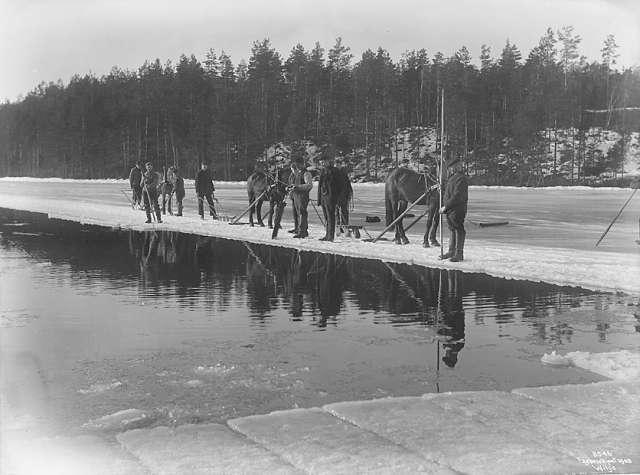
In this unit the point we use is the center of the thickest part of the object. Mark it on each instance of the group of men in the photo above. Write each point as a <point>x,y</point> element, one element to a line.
<point>148,185</point>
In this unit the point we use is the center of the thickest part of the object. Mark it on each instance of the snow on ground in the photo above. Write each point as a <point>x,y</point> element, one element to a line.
<point>593,270</point>
<point>125,183</point>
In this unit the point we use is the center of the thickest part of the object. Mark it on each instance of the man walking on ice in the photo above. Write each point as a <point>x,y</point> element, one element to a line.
<point>300,184</point>
<point>135,181</point>
<point>455,206</point>
<point>204,190</point>
<point>151,180</point>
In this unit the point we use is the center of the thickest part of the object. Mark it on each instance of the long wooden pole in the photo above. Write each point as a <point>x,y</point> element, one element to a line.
<point>441,168</point>
<point>399,217</point>
<point>617,216</point>
<point>235,220</point>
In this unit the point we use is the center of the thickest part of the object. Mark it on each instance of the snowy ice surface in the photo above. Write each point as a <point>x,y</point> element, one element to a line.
<point>121,420</point>
<point>619,365</point>
<point>595,270</point>
<point>100,387</point>
<point>188,182</point>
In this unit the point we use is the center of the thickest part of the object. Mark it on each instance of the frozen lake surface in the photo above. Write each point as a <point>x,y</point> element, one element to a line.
<point>190,328</point>
<point>561,217</point>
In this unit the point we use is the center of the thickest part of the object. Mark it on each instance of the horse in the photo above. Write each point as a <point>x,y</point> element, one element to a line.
<point>334,194</point>
<point>257,185</point>
<point>404,186</point>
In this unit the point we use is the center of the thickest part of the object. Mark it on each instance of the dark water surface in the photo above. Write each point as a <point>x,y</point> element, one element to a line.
<point>192,329</point>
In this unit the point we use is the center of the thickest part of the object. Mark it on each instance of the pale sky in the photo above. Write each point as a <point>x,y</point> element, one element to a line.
<point>47,40</point>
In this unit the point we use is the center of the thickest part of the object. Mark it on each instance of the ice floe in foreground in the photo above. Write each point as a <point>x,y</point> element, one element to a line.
<point>621,365</point>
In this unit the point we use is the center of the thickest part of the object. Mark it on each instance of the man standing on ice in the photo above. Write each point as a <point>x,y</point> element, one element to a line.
<point>204,190</point>
<point>150,181</point>
<point>135,179</point>
<point>455,206</point>
<point>300,184</point>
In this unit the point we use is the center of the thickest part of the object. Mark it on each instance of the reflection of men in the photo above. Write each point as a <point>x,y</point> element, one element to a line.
<point>300,184</point>
<point>150,181</point>
<point>204,190</point>
<point>135,179</point>
<point>455,206</point>
<point>453,317</point>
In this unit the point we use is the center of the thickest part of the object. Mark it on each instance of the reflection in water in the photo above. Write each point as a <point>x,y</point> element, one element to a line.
<point>204,329</point>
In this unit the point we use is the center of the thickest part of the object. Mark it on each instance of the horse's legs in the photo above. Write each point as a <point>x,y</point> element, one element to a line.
<point>432,226</point>
<point>251,210</point>
<point>401,238</point>
<point>259,211</point>
<point>272,205</point>
<point>164,202</point>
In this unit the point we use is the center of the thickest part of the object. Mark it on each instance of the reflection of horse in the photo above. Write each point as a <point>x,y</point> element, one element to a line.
<point>257,184</point>
<point>405,186</point>
<point>334,195</point>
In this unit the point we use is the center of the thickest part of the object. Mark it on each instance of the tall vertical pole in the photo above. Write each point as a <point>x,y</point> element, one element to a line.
<point>441,167</point>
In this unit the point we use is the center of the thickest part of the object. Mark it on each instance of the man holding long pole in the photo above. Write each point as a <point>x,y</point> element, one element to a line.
<point>150,181</point>
<point>454,205</point>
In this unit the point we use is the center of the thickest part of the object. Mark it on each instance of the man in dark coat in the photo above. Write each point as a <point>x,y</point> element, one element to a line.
<point>177,184</point>
<point>334,194</point>
<point>455,206</point>
<point>135,179</point>
<point>204,190</point>
<point>150,181</point>
<point>300,184</point>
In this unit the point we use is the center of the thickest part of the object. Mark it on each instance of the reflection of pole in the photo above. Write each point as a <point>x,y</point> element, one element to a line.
<point>617,216</point>
<point>440,271</point>
<point>441,167</point>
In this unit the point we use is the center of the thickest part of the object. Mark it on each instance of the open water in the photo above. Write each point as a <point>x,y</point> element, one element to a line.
<point>194,329</point>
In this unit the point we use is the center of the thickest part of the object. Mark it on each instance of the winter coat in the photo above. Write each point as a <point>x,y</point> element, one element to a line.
<point>204,182</point>
<point>178,186</point>
<point>456,193</point>
<point>135,177</point>
<point>302,182</point>
<point>151,180</point>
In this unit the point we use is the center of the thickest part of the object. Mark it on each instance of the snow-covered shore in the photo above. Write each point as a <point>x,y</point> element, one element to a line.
<point>604,271</point>
<point>125,182</point>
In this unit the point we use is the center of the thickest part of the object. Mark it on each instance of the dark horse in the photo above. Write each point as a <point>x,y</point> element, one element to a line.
<point>405,186</point>
<point>257,186</point>
<point>334,195</point>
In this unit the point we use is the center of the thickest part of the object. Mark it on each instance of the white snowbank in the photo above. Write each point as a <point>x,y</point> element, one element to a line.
<point>122,181</point>
<point>100,387</point>
<point>596,270</point>
<point>619,365</point>
<point>189,182</point>
<point>121,420</point>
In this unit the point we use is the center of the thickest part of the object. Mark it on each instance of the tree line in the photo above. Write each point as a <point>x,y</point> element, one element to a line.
<point>229,114</point>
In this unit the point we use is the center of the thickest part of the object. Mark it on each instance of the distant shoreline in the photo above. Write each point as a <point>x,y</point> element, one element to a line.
<point>125,182</point>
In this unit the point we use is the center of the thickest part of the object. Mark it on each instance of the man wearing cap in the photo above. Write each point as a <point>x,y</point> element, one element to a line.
<point>300,184</point>
<point>455,206</point>
<point>150,182</point>
<point>204,190</point>
<point>135,179</point>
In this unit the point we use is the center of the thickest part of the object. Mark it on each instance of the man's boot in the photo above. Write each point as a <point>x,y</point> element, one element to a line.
<point>459,255</point>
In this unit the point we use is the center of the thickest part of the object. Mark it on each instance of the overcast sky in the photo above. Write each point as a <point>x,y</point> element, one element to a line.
<point>47,40</point>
